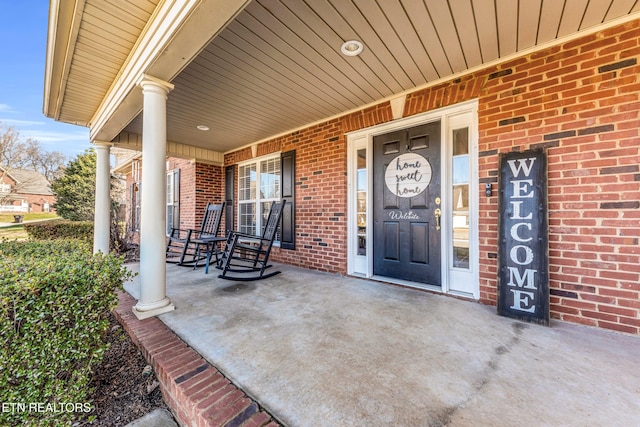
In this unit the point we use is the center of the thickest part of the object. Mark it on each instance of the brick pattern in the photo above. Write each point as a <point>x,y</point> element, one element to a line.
<point>187,191</point>
<point>197,393</point>
<point>200,183</point>
<point>36,202</point>
<point>208,188</point>
<point>129,181</point>
<point>579,100</point>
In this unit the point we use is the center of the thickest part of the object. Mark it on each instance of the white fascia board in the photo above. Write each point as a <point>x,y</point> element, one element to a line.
<point>132,141</point>
<point>64,24</point>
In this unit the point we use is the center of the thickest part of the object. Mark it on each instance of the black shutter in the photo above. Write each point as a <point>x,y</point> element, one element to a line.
<point>133,217</point>
<point>176,198</point>
<point>138,206</point>
<point>288,228</point>
<point>229,175</point>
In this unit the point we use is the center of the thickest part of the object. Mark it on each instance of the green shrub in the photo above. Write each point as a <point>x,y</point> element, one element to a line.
<point>62,229</point>
<point>54,300</point>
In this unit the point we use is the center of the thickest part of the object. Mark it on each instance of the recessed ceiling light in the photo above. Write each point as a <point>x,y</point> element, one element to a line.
<point>202,127</point>
<point>352,48</point>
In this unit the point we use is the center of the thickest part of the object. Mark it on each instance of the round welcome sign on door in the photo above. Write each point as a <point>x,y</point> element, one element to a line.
<point>408,175</point>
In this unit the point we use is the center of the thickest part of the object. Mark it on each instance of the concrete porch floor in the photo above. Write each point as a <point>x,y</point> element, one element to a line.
<point>317,349</point>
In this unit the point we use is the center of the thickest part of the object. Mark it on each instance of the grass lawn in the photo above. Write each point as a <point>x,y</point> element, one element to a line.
<point>14,232</point>
<point>28,216</point>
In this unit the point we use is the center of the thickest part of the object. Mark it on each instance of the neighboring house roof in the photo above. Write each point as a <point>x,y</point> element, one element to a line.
<point>30,182</point>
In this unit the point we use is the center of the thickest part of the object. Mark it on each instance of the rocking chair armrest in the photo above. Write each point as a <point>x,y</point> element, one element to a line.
<point>244,235</point>
<point>197,234</point>
<point>248,237</point>
<point>177,232</point>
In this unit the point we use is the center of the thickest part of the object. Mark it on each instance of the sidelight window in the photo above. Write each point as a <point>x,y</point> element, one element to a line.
<point>460,197</point>
<point>361,201</point>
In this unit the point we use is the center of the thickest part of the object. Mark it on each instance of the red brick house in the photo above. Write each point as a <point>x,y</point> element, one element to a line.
<point>23,191</point>
<point>191,185</point>
<point>391,150</point>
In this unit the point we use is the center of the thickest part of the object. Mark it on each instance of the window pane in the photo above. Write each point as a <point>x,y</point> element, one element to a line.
<point>460,141</point>
<point>361,200</point>
<point>169,219</point>
<point>270,179</point>
<point>460,170</point>
<point>265,207</point>
<point>460,198</point>
<point>264,212</point>
<point>247,218</point>
<point>169,188</point>
<point>247,182</point>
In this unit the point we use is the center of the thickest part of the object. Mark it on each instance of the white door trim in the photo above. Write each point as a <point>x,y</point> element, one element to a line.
<point>362,266</point>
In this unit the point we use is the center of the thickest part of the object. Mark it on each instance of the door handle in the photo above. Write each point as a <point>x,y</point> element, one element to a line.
<point>437,214</point>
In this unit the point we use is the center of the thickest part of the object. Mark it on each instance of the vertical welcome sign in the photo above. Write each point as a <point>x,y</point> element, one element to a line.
<point>523,246</point>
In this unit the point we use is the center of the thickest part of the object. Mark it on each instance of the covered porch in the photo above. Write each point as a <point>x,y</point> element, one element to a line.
<point>236,87</point>
<point>322,349</point>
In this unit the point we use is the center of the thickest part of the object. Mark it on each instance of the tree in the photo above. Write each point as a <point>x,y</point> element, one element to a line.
<point>16,154</point>
<point>75,188</point>
<point>51,164</point>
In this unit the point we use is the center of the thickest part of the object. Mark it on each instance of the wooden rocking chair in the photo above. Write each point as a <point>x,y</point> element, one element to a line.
<point>183,246</point>
<point>247,256</point>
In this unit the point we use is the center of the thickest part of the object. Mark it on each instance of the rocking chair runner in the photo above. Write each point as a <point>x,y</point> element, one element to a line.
<point>248,255</point>
<point>183,246</point>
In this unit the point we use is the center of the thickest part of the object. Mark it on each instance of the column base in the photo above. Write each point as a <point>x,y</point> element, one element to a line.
<point>144,311</point>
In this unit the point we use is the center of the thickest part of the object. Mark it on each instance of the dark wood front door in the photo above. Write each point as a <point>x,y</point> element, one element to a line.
<point>406,202</point>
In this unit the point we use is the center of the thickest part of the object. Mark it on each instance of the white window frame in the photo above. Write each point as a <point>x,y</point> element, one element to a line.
<point>258,200</point>
<point>170,205</point>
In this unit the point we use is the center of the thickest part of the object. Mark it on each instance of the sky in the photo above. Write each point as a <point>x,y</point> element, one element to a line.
<point>23,45</point>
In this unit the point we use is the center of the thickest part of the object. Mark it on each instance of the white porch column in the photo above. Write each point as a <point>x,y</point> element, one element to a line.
<point>103,201</point>
<point>153,299</point>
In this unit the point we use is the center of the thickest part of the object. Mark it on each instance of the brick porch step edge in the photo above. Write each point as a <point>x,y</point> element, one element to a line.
<point>195,391</point>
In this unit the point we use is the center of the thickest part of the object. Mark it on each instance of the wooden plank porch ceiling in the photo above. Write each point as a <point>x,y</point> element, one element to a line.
<point>277,65</point>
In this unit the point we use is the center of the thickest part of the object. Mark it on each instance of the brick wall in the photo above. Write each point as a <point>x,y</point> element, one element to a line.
<point>200,184</point>
<point>187,190</point>
<point>578,100</point>
<point>209,188</point>
<point>37,202</point>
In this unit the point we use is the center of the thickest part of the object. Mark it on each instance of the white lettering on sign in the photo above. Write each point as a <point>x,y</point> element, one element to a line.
<point>521,254</point>
<point>522,166</point>
<point>403,215</point>
<point>521,187</point>
<point>514,231</point>
<point>408,175</point>
<point>523,301</point>
<point>516,211</point>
